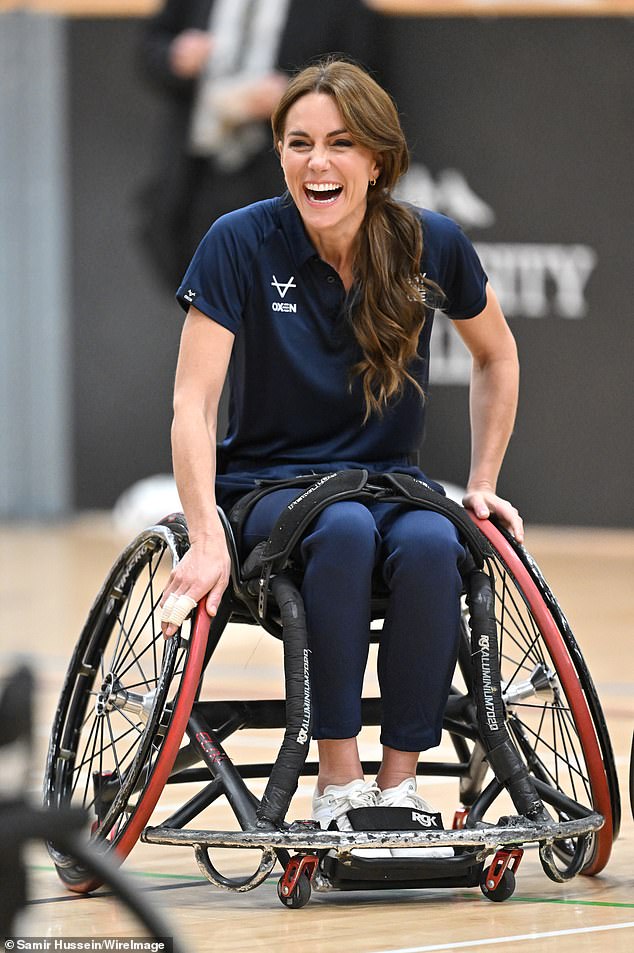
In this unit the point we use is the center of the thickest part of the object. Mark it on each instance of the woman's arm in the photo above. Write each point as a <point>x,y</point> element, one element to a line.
<point>203,360</point>
<point>493,404</point>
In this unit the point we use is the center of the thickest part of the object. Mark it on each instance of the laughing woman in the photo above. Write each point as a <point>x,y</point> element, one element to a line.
<point>318,305</point>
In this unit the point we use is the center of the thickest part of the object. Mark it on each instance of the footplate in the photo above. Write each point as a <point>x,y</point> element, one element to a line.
<point>510,831</point>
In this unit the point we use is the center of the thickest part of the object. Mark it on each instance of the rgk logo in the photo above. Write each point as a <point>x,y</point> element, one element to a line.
<point>215,754</point>
<point>425,820</point>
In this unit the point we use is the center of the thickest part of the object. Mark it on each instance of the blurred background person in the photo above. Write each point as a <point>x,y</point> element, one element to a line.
<point>222,66</point>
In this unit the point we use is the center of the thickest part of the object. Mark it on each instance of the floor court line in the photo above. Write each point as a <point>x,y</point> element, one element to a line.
<point>187,881</point>
<point>572,902</point>
<point>489,941</point>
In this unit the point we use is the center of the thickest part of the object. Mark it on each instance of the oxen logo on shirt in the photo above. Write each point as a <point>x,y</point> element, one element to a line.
<point>281,290</point>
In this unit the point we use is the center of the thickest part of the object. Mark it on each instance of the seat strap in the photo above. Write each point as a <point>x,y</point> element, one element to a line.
<point>240,510</point>
<point>271,555</point>
<point>299,513</point>
<point>417,491</point>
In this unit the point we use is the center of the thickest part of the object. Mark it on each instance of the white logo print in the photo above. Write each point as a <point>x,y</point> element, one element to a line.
<point>283,288</point>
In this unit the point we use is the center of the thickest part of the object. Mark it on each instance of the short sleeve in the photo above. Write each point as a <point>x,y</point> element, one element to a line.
<point>455,266</point>
<point>218,279</point>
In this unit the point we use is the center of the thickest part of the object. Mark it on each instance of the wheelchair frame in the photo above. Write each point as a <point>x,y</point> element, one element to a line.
<point>570,774</point>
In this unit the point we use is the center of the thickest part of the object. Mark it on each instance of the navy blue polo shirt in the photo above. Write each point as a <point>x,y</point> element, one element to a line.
<point>294,407</point>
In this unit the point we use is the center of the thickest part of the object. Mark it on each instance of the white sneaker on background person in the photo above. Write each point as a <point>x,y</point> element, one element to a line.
<point>335,802</point>
<point>405,796</point>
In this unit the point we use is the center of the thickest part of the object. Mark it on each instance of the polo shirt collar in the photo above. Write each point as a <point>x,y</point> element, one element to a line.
<point>301,247</point>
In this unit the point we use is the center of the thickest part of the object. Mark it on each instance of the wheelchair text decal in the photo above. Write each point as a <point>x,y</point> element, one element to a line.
<point>302,734</point>
<point>487,688</point>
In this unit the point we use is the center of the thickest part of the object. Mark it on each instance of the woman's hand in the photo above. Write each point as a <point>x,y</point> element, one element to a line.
<point>483,502</point>
<point>204,570</point>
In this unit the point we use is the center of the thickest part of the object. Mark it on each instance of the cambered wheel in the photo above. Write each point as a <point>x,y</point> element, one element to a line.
<point>125,702</point>
<point>553,711</point>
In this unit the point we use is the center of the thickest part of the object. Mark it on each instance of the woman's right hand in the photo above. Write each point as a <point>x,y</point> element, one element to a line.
<point>204,570</point>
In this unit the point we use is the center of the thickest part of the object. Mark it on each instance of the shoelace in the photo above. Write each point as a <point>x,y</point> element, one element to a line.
<point>411,799</point>
<point>364,798</point>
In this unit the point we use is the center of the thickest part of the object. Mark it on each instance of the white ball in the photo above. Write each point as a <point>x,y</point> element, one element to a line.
<point>145,503</point>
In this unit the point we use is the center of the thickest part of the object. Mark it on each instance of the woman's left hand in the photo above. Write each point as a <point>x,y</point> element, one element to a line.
<point>483,503</point>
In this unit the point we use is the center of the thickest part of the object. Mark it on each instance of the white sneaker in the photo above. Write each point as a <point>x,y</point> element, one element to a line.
<point>405,796</point>
<point>337,800</point>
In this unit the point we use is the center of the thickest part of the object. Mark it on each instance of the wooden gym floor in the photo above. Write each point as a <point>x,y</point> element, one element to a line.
<point>48,578</point>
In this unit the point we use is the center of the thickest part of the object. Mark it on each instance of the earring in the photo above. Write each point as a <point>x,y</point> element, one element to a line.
<point>372,182</point>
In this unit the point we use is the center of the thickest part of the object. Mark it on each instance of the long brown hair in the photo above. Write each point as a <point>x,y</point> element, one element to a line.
<point>389,311</point>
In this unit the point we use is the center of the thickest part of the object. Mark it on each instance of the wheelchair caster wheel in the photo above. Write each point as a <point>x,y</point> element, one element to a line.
<point>297,896</point>
<point>504,888</point>
<point>497,882</point>
<point>294,887</point>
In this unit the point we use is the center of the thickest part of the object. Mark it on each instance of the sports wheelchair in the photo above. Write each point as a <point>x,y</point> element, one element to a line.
<point>523,718</point>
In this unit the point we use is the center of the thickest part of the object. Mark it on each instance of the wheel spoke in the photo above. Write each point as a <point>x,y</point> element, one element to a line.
<point>565,722</point>
<point>540,740</point>
<point>89,772</point>
<point>77,767</point>
<point>153,627</point>
<point>105,747</point>
<point>135,656</point>
<point>526,629</point>
<point>135,661</point>
<point>116,660</point>
<point>527,642</point>
<point>135,725</point>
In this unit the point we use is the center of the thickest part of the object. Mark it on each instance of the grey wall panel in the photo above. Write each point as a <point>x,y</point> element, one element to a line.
<point>35,417</point>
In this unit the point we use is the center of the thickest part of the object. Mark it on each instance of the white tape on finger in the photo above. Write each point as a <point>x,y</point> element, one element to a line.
<point>176,609</point>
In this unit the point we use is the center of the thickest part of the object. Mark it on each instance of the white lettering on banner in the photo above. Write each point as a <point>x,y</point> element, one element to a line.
<point>531,281</point>
<point>537,281</point>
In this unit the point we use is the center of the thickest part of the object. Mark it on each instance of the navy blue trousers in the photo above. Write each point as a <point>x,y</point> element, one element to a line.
<point>418,553</point>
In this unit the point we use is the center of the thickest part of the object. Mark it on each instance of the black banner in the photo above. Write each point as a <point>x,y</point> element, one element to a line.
<point>521,131</point>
